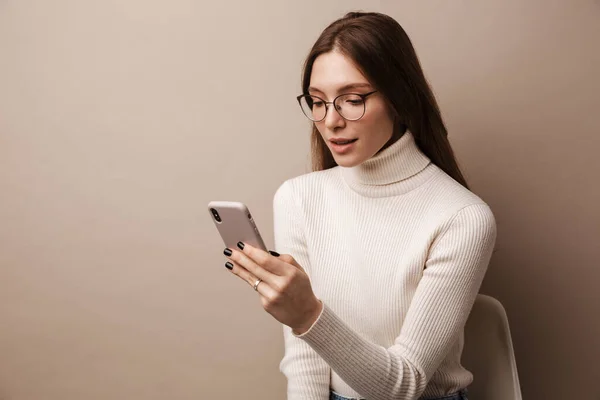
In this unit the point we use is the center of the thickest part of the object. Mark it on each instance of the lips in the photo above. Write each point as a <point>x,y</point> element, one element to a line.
<point>342,145</point>
<point>340,141</point>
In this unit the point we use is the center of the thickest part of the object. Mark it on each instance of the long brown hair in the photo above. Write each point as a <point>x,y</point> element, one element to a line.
<point>383,52</point>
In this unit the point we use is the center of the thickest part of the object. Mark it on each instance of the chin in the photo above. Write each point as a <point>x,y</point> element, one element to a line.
<point>348,161</point>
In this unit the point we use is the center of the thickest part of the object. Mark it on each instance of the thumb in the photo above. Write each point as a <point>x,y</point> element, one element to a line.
<point>291,260</point>
<point>287,258</point>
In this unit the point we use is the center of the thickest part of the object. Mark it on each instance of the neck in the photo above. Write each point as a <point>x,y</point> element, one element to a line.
<point>395,165</point>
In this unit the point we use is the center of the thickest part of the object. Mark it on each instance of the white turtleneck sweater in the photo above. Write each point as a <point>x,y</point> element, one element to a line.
<point>396,250</point>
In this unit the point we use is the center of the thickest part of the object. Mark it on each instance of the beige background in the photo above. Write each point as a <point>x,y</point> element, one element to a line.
<point>120,120</point>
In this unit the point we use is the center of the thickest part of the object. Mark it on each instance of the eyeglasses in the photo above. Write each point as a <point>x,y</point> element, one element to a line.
<point>351,106</point>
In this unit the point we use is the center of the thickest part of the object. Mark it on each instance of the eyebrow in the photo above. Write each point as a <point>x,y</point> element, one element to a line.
<point>343,88</point>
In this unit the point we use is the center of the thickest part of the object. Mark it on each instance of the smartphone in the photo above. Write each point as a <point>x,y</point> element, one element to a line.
<point>235,224</point>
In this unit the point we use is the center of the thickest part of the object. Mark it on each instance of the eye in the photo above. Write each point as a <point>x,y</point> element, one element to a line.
<point>355,102</point>
<point>351,100</point>
<point>318,104</point>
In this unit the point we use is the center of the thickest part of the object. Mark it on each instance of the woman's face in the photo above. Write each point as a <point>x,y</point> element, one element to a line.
<point>334,74</point>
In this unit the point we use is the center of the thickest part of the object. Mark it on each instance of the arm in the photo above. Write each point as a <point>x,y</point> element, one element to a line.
<point>307,373</point>
<point>453,274</point>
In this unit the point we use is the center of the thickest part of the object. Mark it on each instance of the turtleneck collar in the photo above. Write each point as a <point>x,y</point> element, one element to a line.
<point>393,170</point>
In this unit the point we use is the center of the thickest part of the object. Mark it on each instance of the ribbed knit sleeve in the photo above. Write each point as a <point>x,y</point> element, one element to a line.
<point>456,264</point>
<point>308,375</point>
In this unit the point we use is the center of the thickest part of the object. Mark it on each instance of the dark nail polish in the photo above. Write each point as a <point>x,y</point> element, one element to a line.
<point>274,253</point>
<point>240,245</point>
<point>229,265</point>
<point>227,252</point>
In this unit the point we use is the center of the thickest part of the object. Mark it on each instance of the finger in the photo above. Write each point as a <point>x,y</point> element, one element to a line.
<point>269,298</point>
<point>266,292</point>
<point>290,260</point>
<point>241,259</point>
<point>263,259</point>
<point>268,295</point>
<point>241,273</point>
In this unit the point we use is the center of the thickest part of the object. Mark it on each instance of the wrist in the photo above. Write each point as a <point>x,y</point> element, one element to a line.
<point>313,315</point>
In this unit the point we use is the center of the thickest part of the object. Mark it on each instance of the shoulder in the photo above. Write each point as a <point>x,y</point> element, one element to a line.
<point>294,189</point>
<point>458,205</point>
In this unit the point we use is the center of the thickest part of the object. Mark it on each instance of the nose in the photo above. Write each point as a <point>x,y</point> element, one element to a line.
<point>333,119</point>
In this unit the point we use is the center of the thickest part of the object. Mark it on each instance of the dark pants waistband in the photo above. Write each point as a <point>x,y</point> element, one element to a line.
<point>460,395</point>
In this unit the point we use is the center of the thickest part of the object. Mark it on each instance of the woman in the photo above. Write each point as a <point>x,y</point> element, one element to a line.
<point>394,243</point>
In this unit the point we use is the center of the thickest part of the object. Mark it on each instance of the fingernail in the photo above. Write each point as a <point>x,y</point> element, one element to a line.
<point>229,265</point>
<point>274,253</point>
<point>227,252</point>
<point>240,245</point>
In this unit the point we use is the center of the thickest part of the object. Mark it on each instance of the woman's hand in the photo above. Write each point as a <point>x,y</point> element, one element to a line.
<point>285,289</point>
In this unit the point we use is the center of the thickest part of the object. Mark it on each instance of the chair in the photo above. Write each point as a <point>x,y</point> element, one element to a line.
<point>488,352</point>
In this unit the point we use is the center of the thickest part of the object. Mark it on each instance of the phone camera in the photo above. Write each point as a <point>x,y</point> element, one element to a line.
<point>216,215</point>
<point>249,216</point>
